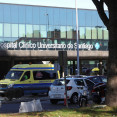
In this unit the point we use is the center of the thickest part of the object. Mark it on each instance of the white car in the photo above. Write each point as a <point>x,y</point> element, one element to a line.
<point>75,86</point>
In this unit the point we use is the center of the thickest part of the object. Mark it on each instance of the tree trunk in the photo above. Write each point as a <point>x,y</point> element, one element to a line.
<point>111,96</point>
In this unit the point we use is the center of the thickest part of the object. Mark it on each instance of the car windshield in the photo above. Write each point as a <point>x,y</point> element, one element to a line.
<point>104,79</point>
<point>13,75</point>
<point>60,82</point>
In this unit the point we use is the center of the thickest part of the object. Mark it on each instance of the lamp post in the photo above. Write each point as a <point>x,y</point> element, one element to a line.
<point>78,72</point>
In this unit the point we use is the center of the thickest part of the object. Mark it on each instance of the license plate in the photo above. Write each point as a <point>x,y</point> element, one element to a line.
<point>57,95</point>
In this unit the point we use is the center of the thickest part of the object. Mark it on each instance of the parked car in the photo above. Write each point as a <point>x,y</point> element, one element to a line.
<point>98,79</point>
<point>98,93</point>
<point>75,87</point>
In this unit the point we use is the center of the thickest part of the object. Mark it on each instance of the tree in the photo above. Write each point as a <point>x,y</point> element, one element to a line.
<point>111,24</point>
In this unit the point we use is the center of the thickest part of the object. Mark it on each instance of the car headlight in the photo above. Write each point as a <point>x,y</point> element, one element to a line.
<point>10,85</point>
<point>84,92</point>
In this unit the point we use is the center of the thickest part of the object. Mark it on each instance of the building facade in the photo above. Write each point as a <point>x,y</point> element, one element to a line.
<point>36,33</point>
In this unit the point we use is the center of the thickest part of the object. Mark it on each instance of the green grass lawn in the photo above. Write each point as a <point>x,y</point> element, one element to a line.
<point>66,112</point>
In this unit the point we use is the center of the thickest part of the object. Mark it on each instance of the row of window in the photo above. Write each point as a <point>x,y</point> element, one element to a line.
<point>44,31</point>
<point>48,15</point>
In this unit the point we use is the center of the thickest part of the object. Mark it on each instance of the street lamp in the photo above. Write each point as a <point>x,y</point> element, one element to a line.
<point>78,72</point>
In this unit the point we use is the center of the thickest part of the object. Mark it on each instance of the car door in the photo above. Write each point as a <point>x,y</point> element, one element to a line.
<point>26,82</point>
<point>90,86</point>
<point>80,85</point>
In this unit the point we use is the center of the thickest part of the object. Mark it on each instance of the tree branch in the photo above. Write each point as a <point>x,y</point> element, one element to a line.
<point>101,12</point>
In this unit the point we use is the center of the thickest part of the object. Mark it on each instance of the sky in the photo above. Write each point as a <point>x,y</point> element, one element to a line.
<point>86,4</point>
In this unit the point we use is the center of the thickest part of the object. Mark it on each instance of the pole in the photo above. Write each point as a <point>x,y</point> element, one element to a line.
<point>78,72</point>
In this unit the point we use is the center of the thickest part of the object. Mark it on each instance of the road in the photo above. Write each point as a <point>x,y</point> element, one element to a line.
<point>13,106</point>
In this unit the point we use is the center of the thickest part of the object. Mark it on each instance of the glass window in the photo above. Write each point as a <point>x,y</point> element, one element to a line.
<point>89,84</point>
<point>49,16</point>
<point>105,34</point>
<point>74,17</point>
<point>26,76</point>
<point>1,40</point>
<point>94,33</point>
<point>62,16</point>
<point>100,23</point>
<point>43,16</point>
<point>22,30</point>
<point>29,14</point>
<point>57,32</point>
<point>43,31</point>
<point>36,13</point>
<point>22,14</point>
<point>14,75</point>
<point>1,12</point>
<point>99,33</point>
<point>79,82</point>
<point>50,32</point>
<point>29,31</point>
<point>14,30</point>
<point>63,31</point>
<point>69,17</point>
<point>42,75</point>
<point>88,17</point>
<point>82,17</point>
<point>88,33</point>
<point>36,31</point>
<point>56,16</point>
<point>74,32</point>
<point>94,18</point>
<point>7,30</point>
<point>69,32</point>
<point>1,30</point>
<point>82,32</point>
<point>14,14</point>
<point>7,15</point>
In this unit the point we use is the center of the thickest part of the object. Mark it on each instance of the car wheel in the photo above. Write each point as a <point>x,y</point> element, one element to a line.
<point>74,99</point>
<point>53,101</point>
<point>83,102</point>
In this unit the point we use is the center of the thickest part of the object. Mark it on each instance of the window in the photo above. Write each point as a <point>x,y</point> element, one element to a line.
<point>7,30</point>
<point>35,17</point>
<point>29,31</point>
<point>57,32</point>
<point>14,14</point>
<point>36,31</point>
<point>43,31</point>
<point>88,33</point>
<point>79,82</point>
<point>43,75</point>
<point>60,82</point>
<point>94,33</point>
<point>14,75</point>
<point>69,17</point>
<point>99,33</point>
<point>89,84</point>
<point>69,32</point>
<point>14,30</point>
<point>7,15</point>
<point>105,34</point>
<point>95,79</point>
<point>82,33</point>
<point>22,15</point>
<point>21,30</point>
<point>62,16</point>
<point>1,30</point>
<point>63,31</point>
<point>56,16</point>
<point>28,14</point>
<point>1,12</point>
<point>26,76</point>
